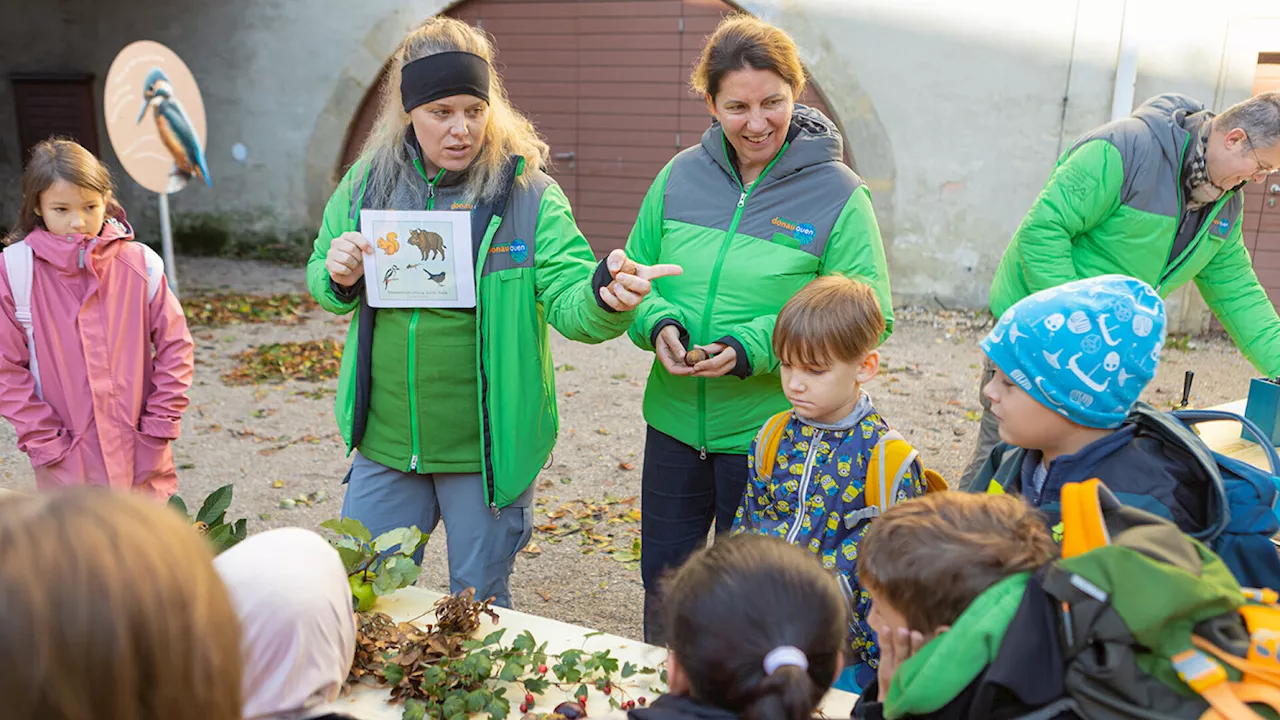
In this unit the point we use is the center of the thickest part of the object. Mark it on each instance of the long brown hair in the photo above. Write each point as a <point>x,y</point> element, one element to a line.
<point>742,41</point>
<point>112,611</point>
<point>508,132</point>
<point>53,160</point>
<point>733,603</point>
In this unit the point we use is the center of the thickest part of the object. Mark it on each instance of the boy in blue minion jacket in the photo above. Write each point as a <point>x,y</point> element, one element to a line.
<point>1072,362</point>
<point>820,472</point>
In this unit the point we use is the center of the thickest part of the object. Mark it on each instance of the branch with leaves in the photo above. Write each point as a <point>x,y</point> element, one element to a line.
<point>376,566</point>
<point>211,521</point>
<point>442,671</point>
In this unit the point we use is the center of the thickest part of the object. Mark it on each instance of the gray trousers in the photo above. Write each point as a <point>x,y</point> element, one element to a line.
<point>988,430</point>
<point>482,548</point>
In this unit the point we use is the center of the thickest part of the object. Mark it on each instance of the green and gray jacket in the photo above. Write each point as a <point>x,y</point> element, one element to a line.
<point>398,390</point>
<point>745,251</point>
<point>1115,204</point>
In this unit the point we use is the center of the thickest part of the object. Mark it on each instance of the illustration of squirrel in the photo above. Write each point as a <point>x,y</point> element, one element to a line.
<point>389,244</point>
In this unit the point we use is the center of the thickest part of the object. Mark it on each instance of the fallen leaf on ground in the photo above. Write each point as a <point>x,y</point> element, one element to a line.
<point>546,596</point>
<point>626,466</point>
<point>532,549</point>
<point>216,310</point>
<point>314,360</point>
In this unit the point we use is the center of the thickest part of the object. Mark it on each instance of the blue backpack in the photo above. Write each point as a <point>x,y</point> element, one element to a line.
<point>1242,513</point>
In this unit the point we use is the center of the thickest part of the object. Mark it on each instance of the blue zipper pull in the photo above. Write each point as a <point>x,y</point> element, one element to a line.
<point>81,258</point>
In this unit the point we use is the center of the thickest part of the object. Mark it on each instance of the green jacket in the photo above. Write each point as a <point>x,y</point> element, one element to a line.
<point>537,269</point>
<point>745,252</point>
<point>1114,204</point>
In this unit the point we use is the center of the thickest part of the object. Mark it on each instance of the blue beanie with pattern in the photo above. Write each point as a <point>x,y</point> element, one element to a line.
<point>1085,349</point>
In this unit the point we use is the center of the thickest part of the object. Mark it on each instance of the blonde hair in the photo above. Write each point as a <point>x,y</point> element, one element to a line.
<point>740,42</point>
<point>932,556</point>
<point>832,318</point>
<point>112,611</point>
<point>51,161</point>
<point>508,131</point>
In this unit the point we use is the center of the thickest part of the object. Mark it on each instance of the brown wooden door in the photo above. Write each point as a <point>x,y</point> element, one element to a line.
<point>1262,200</point>
<point>606,82</point>
<point>55,105</point>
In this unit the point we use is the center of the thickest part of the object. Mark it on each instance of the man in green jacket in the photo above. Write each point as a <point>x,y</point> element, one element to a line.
<point>1155,196</point>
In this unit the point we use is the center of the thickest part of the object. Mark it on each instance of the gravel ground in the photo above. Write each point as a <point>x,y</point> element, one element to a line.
<point>256,436</point>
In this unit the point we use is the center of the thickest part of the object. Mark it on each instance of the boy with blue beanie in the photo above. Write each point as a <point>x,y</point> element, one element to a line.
<point>1072,362</point>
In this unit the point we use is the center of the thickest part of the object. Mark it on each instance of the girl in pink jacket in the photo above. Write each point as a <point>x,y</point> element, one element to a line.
<point>102,396</point>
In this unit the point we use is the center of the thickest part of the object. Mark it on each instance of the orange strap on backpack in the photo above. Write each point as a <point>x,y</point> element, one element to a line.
<point>1083,527</point>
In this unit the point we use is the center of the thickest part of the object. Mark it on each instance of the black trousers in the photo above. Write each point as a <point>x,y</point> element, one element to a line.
<point>681,494</point>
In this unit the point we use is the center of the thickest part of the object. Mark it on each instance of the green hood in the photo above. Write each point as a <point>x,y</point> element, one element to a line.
<point>942,669</point>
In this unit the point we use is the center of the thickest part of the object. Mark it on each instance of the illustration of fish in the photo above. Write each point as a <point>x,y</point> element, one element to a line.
<point>438,278</point>
<point>389,245</point>
<point>390,275</point>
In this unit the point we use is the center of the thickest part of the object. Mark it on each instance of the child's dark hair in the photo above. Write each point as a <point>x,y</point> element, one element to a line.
<point>733,603</point>
<point>53,160</point>
<point>932,556</point>
<point>833,318</point>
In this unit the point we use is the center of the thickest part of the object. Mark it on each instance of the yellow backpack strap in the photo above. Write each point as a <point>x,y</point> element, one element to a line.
<point>890,460</point>
<point>934,482</point>
<point>1259,684</point>
<point>1210,681</point>
<point>1083,528</point>
<point>767,440</point>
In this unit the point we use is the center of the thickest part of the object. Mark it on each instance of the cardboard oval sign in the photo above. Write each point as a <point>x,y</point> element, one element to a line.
<point>155,118</point>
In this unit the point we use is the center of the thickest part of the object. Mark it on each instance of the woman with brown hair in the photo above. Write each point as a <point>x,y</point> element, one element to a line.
<point>453,411</point>
<point>761,207</point>
<point>111,611</point>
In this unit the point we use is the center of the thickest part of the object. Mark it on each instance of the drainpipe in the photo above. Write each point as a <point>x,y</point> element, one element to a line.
<point>1126,68</point>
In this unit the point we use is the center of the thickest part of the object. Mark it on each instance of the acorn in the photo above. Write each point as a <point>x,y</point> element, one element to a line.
<point>629,267</point>
<point>695,356</point>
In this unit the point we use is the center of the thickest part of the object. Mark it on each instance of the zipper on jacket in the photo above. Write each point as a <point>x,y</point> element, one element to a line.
<point>744,193</point>
<point>804,486</point>
<point>1189,250</point>
<point>411,365</point>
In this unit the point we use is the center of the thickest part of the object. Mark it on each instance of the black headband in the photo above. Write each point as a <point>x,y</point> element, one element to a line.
<point>443,75</point>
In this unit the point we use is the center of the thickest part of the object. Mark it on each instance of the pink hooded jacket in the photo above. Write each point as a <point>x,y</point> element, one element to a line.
<point>114,368</point>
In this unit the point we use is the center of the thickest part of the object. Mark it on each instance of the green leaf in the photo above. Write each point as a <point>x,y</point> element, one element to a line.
<point>393,673</point>
<point>536,685</point>
<point>580,692</point>
<point>433,676</point>
<point>215,505</point>
<point>348,526</point>
<point>402,570</point>
<point>352,559</point>
<point>453,707</point>
<point>483,666</point>
<point>498,709</point>
<point>176,503</point>
<point>524,642</point>
<point>414,710</point>
<point>494,637</point>
<point>471,646</point>
<point>241,530</point>
<point>384,584</point>
<point>510,673</point>
<point>477,700</point>
<point>592,634</point>
<point>628,670</point>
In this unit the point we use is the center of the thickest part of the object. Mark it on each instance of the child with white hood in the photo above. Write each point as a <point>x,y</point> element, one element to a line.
<point>290,590</point>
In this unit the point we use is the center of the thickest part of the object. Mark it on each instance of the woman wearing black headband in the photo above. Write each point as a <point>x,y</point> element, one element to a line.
<point>453,411</point>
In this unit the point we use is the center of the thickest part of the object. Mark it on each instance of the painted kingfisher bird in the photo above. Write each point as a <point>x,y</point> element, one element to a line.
<point>174,127</point>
